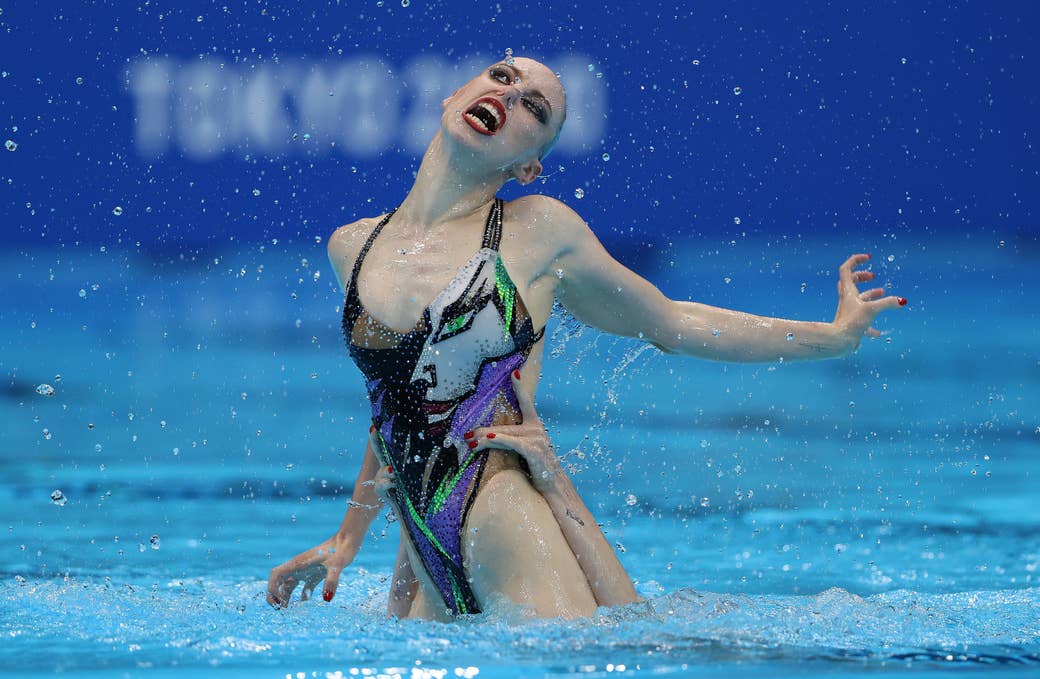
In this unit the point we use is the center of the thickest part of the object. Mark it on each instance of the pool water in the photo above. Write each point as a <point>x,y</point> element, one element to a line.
<point>870,515</point>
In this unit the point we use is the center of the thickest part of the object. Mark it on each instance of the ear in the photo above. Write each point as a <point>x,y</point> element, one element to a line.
<point>528,172</point>
<point>444,102</point>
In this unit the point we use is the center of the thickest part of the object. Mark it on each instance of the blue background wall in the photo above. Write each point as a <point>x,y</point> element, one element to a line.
<point>899,117</point>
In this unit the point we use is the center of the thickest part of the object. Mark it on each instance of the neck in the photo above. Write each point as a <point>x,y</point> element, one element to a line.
<point>450,184</point>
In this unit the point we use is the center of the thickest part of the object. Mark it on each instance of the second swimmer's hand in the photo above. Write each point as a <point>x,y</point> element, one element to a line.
<point>324,562</point>
<point>857,310</point>
<point>528,440</point>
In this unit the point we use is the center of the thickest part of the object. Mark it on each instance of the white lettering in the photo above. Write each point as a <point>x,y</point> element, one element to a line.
<point>203,109</point>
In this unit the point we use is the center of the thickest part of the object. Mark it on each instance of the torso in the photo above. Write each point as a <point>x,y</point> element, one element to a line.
<point>438,364</point>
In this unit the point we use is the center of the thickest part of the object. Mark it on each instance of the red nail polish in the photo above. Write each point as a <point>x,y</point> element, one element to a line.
<point>371,429</point>
<point>472,444</point>
<point>276,600</point>
<point>491,435</point>
<point>390,468</point>
<point>516,374</point>
<point>902,301</point>
<point>327,595</point>
<point>469,435</point>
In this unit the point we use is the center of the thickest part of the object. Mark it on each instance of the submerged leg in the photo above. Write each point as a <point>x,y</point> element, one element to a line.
<point>404,584</point>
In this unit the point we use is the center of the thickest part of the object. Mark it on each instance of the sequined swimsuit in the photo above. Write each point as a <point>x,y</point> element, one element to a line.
<point>431,385</point>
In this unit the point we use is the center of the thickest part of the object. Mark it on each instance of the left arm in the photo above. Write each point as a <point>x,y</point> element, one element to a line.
<point>602,292</point>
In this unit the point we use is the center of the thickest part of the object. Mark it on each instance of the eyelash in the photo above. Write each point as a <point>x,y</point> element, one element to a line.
<point>502,76</point>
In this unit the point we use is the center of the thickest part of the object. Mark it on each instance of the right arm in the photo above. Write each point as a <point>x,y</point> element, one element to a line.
<point>327,560</point>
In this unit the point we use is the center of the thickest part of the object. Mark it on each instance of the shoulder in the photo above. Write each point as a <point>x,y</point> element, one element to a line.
<point>550,218</point>
<point>346,242</point>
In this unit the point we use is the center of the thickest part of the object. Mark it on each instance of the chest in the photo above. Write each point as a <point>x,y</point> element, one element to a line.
<point>401,277</point>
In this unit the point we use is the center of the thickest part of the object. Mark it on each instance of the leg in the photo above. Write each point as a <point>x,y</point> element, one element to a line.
<point>404,584</point>
<point>513,545</point>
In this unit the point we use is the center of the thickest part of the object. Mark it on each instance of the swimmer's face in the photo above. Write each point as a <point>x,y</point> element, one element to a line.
<point>512,112</point>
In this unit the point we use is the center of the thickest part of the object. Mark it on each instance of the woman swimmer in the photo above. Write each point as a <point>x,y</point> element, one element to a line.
<point>446,303</point>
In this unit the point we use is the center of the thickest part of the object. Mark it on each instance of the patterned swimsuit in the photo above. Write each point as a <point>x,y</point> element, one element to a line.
<point>432,384</point>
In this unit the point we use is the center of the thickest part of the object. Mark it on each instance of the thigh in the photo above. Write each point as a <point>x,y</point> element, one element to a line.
<point>513,545</point>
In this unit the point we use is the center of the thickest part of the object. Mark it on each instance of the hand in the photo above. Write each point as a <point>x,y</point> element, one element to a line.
<point>528,440</point>
<point>324,562</point>
<point>856,310</point>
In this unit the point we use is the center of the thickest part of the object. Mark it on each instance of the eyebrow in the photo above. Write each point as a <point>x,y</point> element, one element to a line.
<point>534,94</point>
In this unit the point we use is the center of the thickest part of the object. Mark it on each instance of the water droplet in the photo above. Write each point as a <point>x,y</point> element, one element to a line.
<point>631,500</point>
<point>903,60</point>
<point>606,157</point>
<point>47,434</point>
<point>256,192</point>
<point>155,542</point>
<point>891,258</point>
<point>804,286</point>
<point>705,502</point>
<point>58,498</point>
<point>10,145</point>
<point>117,210</point>
<point>715,332</point>
<point>737,90</point>
<point>199,18</point>
<point>579,193</point>
<point>45,390</point>
<point>79,80</point>
<point>98,448</point>
<point>790,336</point>
<point>736,220</point>
<point>509,56</point>
<point>559,273</point>
<point>696,62</point>
<point>82,293</point>
<point>405,3</point>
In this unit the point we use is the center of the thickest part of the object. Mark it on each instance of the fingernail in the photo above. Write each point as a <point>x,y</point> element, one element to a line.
<point>902,301</point>
<point>371,429</point>
<point>472,444</point>
<point>516,374</point>
<point>327,595</point>
<point>491,435</point>
<point>390,468</point>
<point>276,600</point>
<point>468,435</point>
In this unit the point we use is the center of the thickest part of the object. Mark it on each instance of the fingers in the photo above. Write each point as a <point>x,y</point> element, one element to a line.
<point>331,583</point>
<point>273,584</point>
<point>876,293</point>
<point>500,441</point>
<point>891,302</point>
<point>285,590</point>
<point>524,400</point>
<point>277,595</point>
<point>846,279</point>
<point>384,482</point>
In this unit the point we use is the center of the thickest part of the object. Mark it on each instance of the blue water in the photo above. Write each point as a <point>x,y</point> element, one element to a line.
<point>876,514</point>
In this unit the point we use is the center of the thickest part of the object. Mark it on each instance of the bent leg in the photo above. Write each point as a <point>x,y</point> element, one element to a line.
<point>513,545</point>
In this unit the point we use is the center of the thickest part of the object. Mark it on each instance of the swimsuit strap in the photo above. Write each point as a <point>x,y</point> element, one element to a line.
<point>493,227</point>
<point>368,245</point>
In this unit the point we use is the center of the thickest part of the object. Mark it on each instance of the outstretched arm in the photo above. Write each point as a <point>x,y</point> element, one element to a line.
<point>327,560</point>
<point>607,577</point>
<point>600,291</point>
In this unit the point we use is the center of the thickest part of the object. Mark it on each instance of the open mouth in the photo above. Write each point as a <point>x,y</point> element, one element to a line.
<point>486,116</point>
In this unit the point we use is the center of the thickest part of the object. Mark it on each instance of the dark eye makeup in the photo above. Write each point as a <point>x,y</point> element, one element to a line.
<point>504,76</point>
